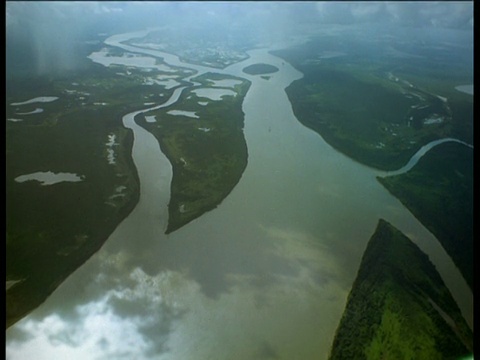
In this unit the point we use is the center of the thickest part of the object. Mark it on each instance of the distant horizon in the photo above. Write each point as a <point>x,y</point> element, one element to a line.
<point>34,26</point>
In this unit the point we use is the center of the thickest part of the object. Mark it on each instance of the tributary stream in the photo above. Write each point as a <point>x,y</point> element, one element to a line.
<point>264,275</point>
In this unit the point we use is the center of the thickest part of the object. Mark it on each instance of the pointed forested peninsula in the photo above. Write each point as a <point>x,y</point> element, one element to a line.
<point>399,307</point>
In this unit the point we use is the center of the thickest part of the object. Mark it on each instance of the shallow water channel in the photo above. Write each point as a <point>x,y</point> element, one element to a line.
<point>264,275</point>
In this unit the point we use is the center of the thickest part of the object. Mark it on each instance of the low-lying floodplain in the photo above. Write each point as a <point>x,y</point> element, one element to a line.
<point>58,227</point>
<point>65,193</point>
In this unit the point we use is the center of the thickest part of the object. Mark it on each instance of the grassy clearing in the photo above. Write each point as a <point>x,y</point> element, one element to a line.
<point>389,312</point>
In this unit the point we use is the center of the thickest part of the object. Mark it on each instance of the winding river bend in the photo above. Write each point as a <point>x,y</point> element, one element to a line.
<point>264,275</point>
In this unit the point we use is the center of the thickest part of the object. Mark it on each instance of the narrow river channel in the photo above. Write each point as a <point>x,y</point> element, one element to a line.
<point>264,275</point>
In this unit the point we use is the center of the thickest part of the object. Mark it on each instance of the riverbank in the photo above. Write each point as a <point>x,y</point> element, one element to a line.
<point>439,192</point>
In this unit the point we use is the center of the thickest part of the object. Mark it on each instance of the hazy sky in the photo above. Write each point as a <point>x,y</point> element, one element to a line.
<point>50,31</point>
<point>75,13</point>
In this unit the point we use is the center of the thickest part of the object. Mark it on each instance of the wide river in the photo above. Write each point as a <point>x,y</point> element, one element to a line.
<point>264,275</point>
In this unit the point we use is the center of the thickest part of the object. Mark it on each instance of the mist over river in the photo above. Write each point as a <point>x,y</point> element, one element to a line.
<point>264,275</point>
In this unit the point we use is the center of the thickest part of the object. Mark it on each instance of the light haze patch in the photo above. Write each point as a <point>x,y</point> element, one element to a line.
<point>467,89</point>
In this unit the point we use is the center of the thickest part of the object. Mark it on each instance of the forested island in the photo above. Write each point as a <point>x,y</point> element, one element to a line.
<point>260,69</point>
<point>205,145</point>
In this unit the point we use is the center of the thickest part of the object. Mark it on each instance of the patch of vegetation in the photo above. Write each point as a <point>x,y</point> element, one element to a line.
<point>208,153</point>
<point>52,229</point>
<point>439,192</point>
<point>260,69</point>
<point>375,108</point>
<point>399,307</point>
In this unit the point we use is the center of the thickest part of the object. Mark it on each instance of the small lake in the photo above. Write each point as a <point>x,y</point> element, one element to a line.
<point>44,99</point>
<point>36,111</point>
<point>49,177</point>
<point>151,118</point>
